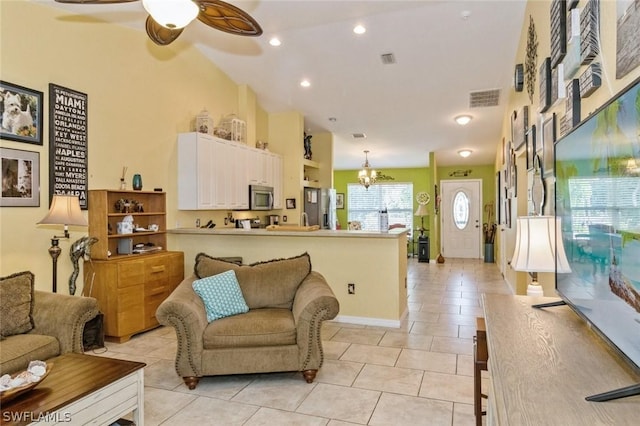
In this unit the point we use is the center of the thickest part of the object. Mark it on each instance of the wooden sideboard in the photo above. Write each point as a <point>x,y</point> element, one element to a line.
<point>130,289</point>
<point>544,362</point>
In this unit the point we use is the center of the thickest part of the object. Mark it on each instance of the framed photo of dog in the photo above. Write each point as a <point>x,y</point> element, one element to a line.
<point>21,110</point>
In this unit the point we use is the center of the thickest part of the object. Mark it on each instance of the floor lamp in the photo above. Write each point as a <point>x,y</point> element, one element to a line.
<point>64,210</point>
<point>539,248</point>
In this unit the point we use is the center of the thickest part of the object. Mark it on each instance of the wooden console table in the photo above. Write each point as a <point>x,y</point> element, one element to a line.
<point>544,362</point>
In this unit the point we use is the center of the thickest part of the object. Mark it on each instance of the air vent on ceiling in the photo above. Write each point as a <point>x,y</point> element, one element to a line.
<point>484,98</point>
<point>388,58</point>
<point>358,135</point>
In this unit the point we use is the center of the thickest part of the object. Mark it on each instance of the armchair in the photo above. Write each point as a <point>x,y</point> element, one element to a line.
<point>280,332</point>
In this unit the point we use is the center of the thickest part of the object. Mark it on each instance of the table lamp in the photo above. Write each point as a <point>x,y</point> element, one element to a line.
<point>539,248</point>
<point>64,210</point>
<point>422,212</point>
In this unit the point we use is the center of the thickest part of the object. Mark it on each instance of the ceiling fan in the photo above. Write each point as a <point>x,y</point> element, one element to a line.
<point>167,18</point>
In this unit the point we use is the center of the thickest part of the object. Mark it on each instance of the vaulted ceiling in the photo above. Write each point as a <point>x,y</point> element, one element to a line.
<point>444,51</point>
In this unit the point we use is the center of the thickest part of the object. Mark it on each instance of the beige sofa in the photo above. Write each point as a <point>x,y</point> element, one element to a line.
<point>280,332</point>
<point>38,325</point>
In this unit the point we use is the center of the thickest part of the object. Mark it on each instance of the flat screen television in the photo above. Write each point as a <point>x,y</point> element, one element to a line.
<point>597,169</point>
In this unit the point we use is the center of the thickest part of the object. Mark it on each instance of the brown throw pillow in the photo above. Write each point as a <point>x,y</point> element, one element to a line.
<point>16,309</point>
<point>271,284</point>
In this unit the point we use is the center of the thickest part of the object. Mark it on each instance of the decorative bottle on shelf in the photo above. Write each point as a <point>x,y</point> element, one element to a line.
<point>137,182</point>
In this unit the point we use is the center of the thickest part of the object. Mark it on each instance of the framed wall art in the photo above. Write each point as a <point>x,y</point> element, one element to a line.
<point>590,80</point>
<point>21,112</point>
<point>572,103</point>
<point>68,144</point>
<point>20,178</point>
<point>558,23</point>
<point>627,40</point>
<point>548,139</point>
<point>519,124</point>
<point>589,31</point>
<point>531,146</point>
<point>291,203</point>
<point>339,200</point>
<point>545,85</point>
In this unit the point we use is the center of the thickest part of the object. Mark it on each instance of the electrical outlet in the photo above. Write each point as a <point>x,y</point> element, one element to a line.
<point>351,288</point>
<point>284,218</point>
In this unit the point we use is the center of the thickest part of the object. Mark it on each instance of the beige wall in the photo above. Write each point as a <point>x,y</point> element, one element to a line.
<point>140,97</point>
<point>539,10</point>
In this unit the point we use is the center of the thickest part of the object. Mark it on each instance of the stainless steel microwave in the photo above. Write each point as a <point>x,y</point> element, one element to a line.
<point>260,197</point>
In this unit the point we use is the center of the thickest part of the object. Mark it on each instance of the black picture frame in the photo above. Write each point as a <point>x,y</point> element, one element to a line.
<point>20,178</point>
<point>25,107</point>
<point>290,203</point>
<point>548,138</point>
<point>531,146</point>
<point>339,200</point>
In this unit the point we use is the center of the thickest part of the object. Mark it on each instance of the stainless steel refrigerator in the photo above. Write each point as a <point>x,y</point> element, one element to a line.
<point>320,207</point>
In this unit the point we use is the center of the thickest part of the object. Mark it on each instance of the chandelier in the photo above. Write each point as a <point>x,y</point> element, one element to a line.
<point>367,176</point>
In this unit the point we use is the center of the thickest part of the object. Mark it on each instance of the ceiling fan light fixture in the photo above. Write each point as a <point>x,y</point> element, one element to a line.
<point>172,14</point>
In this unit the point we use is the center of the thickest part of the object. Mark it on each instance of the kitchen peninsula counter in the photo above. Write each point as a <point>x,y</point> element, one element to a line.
<point>393,233</point>
<point>375,262</point>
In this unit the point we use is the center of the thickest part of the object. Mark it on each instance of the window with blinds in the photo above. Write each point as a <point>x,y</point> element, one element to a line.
<point>365,205</point>
<point>610,201</point>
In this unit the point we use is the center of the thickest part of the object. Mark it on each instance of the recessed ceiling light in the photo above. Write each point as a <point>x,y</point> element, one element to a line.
<point>463,119</point>
<point>275,41</point>
<point>305,83</point>
<point>359,29</point>
<point>464,153</point>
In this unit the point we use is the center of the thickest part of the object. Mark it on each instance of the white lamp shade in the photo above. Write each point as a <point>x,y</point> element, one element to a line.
<point>421,210</point>
<point>65,210</point>
<point>537,238</point>
<point>171,14</point>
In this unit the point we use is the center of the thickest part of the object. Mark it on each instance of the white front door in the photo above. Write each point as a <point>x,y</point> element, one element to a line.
<point>461,216</point>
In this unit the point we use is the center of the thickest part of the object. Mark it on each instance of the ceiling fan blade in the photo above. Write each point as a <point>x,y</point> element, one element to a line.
<point>228,18</point>
<point>94,1</point>
<point>160,35</point>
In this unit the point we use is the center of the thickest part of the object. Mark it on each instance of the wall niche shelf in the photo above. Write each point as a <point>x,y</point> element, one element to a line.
<point>311,174</point>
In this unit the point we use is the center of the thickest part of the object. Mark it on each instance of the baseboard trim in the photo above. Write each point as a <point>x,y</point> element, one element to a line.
<point>377,322</point>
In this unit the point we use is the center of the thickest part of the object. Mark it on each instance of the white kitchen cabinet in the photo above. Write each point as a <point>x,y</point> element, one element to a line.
<point>215,174</point>
<point>222,174</point>
<point>240,181</point>
<point>259,167</point>
<point>195,172</point>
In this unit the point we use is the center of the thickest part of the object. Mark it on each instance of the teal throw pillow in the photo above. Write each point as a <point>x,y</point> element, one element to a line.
<point>221,295</point>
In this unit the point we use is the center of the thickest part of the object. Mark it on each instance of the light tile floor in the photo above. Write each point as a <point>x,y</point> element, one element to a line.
<point>421,373</point>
